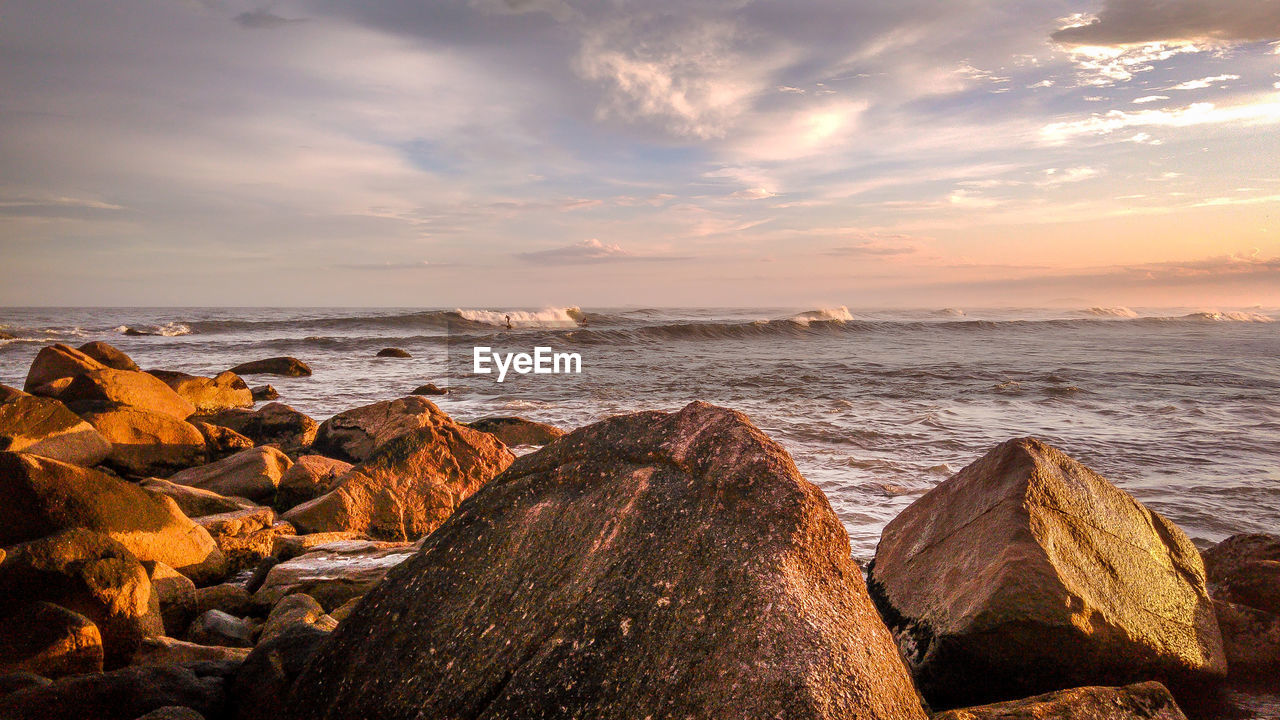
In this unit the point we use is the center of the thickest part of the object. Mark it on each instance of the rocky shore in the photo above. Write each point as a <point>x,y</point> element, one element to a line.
<point>174,546</point>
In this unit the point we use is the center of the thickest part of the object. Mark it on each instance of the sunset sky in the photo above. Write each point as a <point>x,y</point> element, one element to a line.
<point>647,152</point>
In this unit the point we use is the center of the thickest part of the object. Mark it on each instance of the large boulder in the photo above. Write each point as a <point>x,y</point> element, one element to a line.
<point>49,640</point>
<point>664,565</point>
<point>208,395</point>
<point>1141,701</point>
<point>1026,572</point>
<point>195,502</point>
<point>259,690</point>
<point>295,609</point>
<point>286,366</point>
<point>252,474</point>
<point>148,443</point>
<point>124,694</point>
<point>39,497</point>
<point>107,388</point>
<point>272,424</point>
<point>45,427</point>
<point>333,574</point>
<point>92,575</point>
<point>355,434</point>
<point>517,430</point>
<point>288,547</point>
<point>56,362</point>
<point>409,484</point>
<point>1244,578</point>
<point>309,478</point>
<point>221,441</point>
<point>108,355</point>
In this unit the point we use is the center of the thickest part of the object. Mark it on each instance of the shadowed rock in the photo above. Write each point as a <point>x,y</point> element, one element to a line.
<point>264,393</point>
<point>286,366</point>
<point>56,362</point>
<point>1244,577</point>
<point>517,430</point>
<point>244,536</point>
<point>252,474</point>
<point>393,353</point>
<point>45,427</point>
<point>333,573</point>
<point>215,627</point>
<point>176,594</point>
<point>208,395</point>
<point>108,355</point>
<point>665,565</point>
<point>39,497</point>
<point>124,694</point>
<point>49,640</point>
<point>429,389</point>
<point>230,598</point>
<point>310,477</point>
<point>295,609</point>
<point>409,484</point>
<point>195,502</point>
<point>260,687</point>
<point>171,651</point>
<point>272,424</point>
<point>148,443</point>
<point>221,442</point>
<point>1026,572</point>
<point>1142,701</point>
<point>105,389</point>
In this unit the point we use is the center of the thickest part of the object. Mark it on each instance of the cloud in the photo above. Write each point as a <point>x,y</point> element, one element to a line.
<point>1131,22</point>
<point>264,20</point>
<point>873,249</point>
<point>1265,110</point>
<point>588,252</point>
<point>1203,82</point>
<point>1150,99</point>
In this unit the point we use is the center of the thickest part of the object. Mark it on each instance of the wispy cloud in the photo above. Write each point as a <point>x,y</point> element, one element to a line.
<point>589,252</point>
<point>264,20</point>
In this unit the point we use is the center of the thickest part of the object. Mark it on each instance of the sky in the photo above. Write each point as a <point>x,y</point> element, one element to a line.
<point>867,153</point>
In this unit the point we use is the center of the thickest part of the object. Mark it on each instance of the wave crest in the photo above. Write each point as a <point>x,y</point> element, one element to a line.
<point>1111,312</point>
<point>839,314</point>
<point>1229,316</point>
<point>548,317</point>
<point>169,329</point>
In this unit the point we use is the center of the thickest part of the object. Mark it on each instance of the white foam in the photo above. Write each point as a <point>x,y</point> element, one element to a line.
<point>840,314</point>
<point>1230,316</point>
<point>547,317</point>
<point>1111,312</point>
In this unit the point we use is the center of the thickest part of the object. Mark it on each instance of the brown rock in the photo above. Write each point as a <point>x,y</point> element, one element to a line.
<point>215,627</point>
<point>49,640</point>
<point>56,362</point>
<point>343,611</point>
<point>15,681</point>
<point>52,389</point>
<point>244,536</point>
<point>252,474</point>
<point>108,355</point>
<point>195,502</point>
<point>1142,701</point>
<point>176,595</point>
<point>45,427</point>
<point>429,389</point>
<point>517,430</point>
<point>393,353</point>
<point>286,366</point>
<point>39,497</point>
<point>264,393</point>
<point>221,442</point>
<point>124,694</point>
<point>1245,570</point>
<point>9,393</point>
<point>175,712</point>
<point>260,687</point>
<point>272,424</point>
<point>208,395</point>
<point>624,571</point>
<point>90,574</point>
<point>333,573</point>
<point>1251,638</point>
<point>171,651</point>
<point>230,598</point>
<point>1027,572</point>
<point>295,609</point>
<point>288,547</point>
<point>309,478</point>
<point>410,484</point>
<point>106,389</point>
<point>148,443</point>
<point>355,434</point>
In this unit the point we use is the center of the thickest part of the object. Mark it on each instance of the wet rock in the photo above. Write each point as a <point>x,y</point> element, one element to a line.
<point>333,573</point>
<point>221,442</point>
<point>624,571</point>
<point>288,547</point>
<point>105,389</point>
<point>90,574</point>
<point>208,395</point>
<point>108,355</point>
<point>295,609</point>
<point>264,393</point>
<point>429,389</point>
<point>39,497</point>
<point>1026,572</point>
<point>286,366</point>
<point>176,595</point>
<point>148,443</point>
<point>1141,701</point>
<point>252,474</point>
<point>260,688</point>
<point>230,598</point>
<point>45,427</point>
<point>171,651</point>
<point>123,694</point>
<point>195,502</point>
<point>272,424</point>
<point>215,627</point>
<point>517,430</point>
<point>56,362</point>
<point>49,640</point>
<point>393,353</point>
<point>310,477</point>
<point>409,484</point>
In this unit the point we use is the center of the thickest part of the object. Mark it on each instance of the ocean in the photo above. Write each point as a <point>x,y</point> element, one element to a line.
<point>1179,407</point>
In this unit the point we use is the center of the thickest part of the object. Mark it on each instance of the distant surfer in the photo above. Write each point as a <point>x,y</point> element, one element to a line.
<point>509,326</point>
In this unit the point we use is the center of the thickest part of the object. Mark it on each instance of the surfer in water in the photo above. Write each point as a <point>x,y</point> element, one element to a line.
<point>509,326</point>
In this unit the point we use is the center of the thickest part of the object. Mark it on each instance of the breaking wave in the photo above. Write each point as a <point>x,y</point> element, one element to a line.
<point>840,314</point>
<point>548,317</point>
<point>169,329</point>
<point>1111,312</point>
